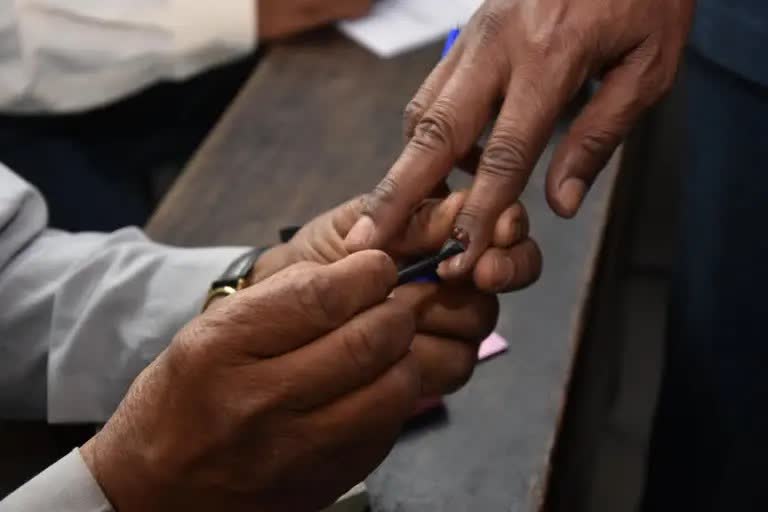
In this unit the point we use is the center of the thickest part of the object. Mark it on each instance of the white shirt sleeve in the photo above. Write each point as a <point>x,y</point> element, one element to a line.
<point>82,314</point>
<point>66,486</point>
<point>71,55</point>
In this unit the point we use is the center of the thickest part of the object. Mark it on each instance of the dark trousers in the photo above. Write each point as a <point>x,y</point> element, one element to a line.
<point>105,169</point>
<point>709,450</point>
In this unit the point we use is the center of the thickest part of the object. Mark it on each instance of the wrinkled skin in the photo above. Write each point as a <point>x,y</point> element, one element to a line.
<point>532,56</point>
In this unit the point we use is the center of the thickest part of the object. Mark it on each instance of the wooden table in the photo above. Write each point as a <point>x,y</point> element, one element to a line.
<point>320,121</point>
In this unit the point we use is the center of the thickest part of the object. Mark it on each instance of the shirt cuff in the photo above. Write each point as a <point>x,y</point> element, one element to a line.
<point>66,486</point>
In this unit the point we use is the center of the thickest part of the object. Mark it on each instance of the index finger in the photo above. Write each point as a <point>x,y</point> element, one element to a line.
<point>526,122</point>
<point>446,130</point>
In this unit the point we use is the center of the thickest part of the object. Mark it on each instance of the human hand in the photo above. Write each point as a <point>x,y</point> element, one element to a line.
<point>281,18</point>
<point>452,317</point>
<point>535,54</point>
<point>279,398</point>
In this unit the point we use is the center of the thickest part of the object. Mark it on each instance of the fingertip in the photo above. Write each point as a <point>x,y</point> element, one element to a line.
<point>494,272</point>
<point>360,237</point>
<point>570,195</point>
<point>511,227</point>
<point>374,265</point>
<point>505,270</point>
<point>384,266</point>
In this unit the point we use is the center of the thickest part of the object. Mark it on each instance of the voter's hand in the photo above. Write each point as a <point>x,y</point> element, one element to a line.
<point>532,56</point>
<point>452,317</point>
<point>281,18</point>
<point>278,398</point>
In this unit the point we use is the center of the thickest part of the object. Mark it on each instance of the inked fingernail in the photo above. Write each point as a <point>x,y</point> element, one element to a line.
<point>460,235</point>
<point>361,233</point>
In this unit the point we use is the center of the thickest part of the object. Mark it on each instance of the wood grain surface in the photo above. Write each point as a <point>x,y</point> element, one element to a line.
<point>319,122</point>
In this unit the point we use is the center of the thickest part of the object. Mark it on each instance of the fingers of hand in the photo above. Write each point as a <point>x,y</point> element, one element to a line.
<point>301,303</point>
<point>626,91</point>
<point>443,130</point>
<point>511,228</point>
<point>445,363</point>
<point>592,139</point>
<point>504,270</point>
<point>453,311</point>
<point>351,357</point>
<point>363,425</point>
<point>451,321</point>
<point>520,134</point>
<point>429,90</point>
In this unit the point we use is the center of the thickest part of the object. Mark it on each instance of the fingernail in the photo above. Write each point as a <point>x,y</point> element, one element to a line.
<point>361,234</point>
<point>571,193</point>
<point>457,263</point>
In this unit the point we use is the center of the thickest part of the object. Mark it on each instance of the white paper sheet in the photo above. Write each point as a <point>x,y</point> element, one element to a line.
<point>396,26</point>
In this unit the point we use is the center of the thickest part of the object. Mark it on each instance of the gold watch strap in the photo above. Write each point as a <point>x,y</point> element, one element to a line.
<point>234,278</point>
<point>222,291</point>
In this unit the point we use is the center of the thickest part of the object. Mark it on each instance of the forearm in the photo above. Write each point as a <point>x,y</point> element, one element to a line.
<point>83,314</point>
<point>70,56</point>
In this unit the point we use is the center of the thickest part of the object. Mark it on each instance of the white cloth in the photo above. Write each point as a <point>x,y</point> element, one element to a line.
<point>82,314</point>
<point>66,486</point>
<point>72,55</point>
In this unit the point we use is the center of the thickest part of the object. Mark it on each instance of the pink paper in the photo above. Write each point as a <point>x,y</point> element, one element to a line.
<point>493,345</point>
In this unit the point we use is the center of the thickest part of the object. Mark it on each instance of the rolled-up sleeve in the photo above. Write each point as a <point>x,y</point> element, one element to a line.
<point>82,314</point>
<point>71,55</point>
<point>66,486</point>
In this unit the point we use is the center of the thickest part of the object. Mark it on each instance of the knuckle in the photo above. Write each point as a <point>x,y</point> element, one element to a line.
<point>470,215</point>
<point>504,157</point>
<point>411,115</point>
<point>315,294</point>
<point>434,131</point>
<point>195,344</point>
<point>598,142</point>
<point>384,193</point>
<point>490,23</point>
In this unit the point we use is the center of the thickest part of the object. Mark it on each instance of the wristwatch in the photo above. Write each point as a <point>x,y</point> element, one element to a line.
<point>235,277</point>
